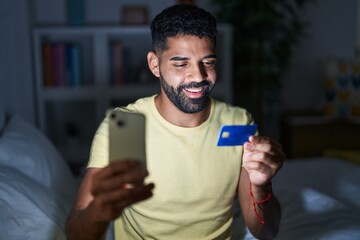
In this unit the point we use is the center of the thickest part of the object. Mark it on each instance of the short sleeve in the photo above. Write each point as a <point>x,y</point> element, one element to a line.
<point>99,153</point>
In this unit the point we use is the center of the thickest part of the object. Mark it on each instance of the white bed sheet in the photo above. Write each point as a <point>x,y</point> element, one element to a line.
<point>319,200</point>
<point>28,209</point>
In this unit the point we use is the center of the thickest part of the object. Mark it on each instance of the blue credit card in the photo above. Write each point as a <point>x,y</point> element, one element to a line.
<point>235,135</point>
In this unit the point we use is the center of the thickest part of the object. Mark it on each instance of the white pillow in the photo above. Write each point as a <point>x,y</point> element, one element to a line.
<point>25,148</point>
<point>28,209</point>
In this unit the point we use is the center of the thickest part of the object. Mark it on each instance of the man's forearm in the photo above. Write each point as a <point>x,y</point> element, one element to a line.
<point>80,225</point>
<point>264,217</point>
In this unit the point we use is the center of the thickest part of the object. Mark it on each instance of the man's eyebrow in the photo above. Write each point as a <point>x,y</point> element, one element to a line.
<point>181,58</point>
<point>213,55</point>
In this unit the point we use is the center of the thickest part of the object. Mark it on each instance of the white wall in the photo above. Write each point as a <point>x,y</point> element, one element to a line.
<point>16,82</point>
<point>332,33</point>
<point>99,11</point>
<point>49,12</point>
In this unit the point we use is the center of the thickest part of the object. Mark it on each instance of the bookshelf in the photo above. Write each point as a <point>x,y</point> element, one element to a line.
<point>100,67</point>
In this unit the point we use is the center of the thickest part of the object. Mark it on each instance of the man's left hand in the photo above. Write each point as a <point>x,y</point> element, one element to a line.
<point>262,158</point>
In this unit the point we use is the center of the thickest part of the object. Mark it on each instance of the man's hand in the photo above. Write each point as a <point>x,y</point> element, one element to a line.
<point>262,158</point>
<point>103,194</point>
<point>117,186</point>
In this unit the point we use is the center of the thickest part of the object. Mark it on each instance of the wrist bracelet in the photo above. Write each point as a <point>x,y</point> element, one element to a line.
<point>254,202</point>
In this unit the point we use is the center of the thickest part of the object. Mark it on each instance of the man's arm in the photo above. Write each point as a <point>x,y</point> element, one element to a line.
<point>262,159</point>
<point>269,212</point>
<point>102,196</point>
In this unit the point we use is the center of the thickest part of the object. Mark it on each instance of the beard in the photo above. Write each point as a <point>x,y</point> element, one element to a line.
<point>182,101</point>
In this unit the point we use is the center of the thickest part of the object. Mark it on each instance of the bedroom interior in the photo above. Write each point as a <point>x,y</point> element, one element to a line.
<point>317,120</point>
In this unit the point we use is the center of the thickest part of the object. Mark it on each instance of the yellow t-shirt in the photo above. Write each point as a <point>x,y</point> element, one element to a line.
<point>195,181</point>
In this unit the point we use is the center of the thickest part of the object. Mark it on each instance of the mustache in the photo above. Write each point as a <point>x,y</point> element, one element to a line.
<point>203,83</point>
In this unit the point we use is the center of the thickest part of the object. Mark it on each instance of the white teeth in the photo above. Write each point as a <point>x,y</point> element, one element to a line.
<point>194,90</point>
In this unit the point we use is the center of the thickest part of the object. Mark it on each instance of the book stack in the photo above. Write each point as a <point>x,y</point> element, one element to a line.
<point>61,64</point>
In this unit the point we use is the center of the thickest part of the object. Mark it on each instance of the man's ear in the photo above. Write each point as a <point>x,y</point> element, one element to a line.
<point>153,63</point>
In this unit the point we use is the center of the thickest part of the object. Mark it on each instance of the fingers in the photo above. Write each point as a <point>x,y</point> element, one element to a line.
<point>118,175</point>
<point>263,157</point>
<point>123,197</point>
<point>263,144</point>
<point>266,145</point>
<point>273,161</point>
<point>117,186</point>
<point>128,195</point>
<point>110,205</point>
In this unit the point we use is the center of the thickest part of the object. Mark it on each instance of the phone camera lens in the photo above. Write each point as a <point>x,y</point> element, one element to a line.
<point>120,123</point>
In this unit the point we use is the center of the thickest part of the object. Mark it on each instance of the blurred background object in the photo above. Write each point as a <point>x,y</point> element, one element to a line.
<point>266,33</point>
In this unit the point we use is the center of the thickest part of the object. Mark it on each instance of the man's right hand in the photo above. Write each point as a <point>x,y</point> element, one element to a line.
<point>117,186</point>
<point>103,194</point>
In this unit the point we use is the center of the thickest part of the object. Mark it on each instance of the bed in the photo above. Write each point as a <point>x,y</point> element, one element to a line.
<point>319,196</point>
<point>37,188</point>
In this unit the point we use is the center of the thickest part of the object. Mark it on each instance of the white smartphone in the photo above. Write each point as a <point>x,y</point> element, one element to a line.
<point>127,136</point>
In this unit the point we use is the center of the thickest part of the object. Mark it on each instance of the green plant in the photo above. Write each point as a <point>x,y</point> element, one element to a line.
<point>265,33</point>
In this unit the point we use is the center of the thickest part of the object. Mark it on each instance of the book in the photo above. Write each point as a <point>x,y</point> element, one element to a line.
<point>116,72</point>
<point>69,65</point>
<point>48,71</point>
<point>58,64</point>
<point>73,65</point>
<point>76,65</point>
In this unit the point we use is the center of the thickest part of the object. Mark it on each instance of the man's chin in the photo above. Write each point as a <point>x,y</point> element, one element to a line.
<point>196,105</point>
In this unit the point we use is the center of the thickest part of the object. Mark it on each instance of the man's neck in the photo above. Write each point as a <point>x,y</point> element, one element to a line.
<point>177,117</point>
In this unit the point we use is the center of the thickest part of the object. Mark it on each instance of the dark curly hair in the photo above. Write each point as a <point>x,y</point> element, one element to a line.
<point>182,19</point>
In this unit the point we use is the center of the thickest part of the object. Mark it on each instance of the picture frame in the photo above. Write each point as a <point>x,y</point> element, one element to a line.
<point>134,15</point>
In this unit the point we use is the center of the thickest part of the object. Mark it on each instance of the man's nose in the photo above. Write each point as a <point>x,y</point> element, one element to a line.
<point>197,73</point>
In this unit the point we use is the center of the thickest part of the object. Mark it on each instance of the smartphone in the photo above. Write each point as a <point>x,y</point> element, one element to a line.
<point>127,136</point>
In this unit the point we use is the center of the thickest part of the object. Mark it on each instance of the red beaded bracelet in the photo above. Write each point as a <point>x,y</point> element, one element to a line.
<point>254,202</point>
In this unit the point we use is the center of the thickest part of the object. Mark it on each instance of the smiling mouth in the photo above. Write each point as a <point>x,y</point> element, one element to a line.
<point>194,90</point>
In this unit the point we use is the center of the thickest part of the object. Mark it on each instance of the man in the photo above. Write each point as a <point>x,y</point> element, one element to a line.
<point>195,180</point>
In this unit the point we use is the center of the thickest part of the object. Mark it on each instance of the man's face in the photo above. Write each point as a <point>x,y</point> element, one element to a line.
<point>187,72</point>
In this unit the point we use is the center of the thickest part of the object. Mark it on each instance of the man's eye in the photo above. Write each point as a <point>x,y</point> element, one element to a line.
<point>210,63</point>
<point>180,65</point>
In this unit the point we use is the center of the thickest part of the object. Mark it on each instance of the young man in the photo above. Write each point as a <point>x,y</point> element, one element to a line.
<point>195,181</point>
